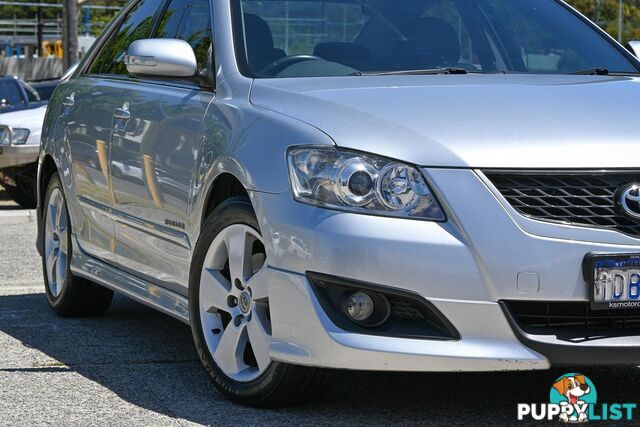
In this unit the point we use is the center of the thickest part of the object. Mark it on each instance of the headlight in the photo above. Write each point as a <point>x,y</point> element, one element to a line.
<point>20,136</point>
<point>5,136</point>
<point>362,183</point>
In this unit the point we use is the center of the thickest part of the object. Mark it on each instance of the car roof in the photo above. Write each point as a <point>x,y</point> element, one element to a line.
<point>41,83</point>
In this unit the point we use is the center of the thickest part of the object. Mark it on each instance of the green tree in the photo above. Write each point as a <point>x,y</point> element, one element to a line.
<point>99,17</point>
<point>605,14</point>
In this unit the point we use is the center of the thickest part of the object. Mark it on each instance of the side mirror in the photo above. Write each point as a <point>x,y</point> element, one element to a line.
<point>161,57</point>
<point>634,47</point>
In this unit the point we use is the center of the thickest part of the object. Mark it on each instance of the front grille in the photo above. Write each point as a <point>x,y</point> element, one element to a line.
<point>584,199</point>
<point>538,316</point>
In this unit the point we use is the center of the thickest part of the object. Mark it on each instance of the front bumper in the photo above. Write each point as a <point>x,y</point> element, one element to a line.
<point>18,155</point>
<point>483,255</point>
<point>304,335</point>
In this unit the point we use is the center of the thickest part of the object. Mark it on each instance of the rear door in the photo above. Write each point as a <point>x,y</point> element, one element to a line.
<point>90,107</point>
<point>89,104</point>
<point>153,156</point>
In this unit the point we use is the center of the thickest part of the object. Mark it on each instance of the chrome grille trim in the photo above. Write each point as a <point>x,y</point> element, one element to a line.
<point>578,198</point>
<point>5,131</point>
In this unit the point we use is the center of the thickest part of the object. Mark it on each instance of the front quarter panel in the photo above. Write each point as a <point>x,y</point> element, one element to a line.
<point>249,143</point>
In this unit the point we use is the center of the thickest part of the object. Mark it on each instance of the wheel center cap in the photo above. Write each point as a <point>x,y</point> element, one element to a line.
<point>245,302</point>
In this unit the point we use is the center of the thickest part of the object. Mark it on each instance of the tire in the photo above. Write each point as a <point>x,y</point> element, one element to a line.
<point>68,295</point>
<point>25,197</point>
<point>258,381</point>
<point>116,173</point>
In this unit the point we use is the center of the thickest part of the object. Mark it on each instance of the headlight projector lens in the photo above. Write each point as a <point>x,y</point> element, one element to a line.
<point>355,182</point>
<point>361,183</point>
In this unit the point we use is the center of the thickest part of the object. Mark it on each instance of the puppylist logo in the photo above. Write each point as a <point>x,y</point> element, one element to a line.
<point>573,399</point>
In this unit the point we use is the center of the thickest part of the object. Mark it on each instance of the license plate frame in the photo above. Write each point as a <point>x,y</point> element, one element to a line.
<point>626,264</point>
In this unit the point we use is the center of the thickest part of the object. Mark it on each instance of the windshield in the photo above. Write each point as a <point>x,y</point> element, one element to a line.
<point>298,38</point>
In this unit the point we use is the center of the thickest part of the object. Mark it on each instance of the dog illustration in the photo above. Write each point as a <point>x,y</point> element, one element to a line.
<point>573,388</point>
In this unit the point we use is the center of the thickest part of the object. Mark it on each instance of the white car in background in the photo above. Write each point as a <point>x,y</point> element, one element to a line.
<point>19,147</point>
<point>634,47</point>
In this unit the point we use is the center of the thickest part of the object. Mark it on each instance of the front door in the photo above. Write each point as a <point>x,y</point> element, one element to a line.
<point>153,157</point>
<point>153,162</point>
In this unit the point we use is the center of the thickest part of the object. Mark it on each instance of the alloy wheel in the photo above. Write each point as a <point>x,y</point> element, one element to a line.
<point>56,242</point>
<point>234,305</point>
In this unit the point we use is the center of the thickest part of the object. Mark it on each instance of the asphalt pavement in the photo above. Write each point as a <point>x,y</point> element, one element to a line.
<point>135,366</point>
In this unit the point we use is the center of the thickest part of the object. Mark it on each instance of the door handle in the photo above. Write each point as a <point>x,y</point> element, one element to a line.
<point>69,101</point>
<point>122,113</point>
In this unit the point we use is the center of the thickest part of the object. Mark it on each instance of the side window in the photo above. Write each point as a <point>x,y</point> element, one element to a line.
<point>189,20</point>
<point>10,93</point>
<point>136,25</point>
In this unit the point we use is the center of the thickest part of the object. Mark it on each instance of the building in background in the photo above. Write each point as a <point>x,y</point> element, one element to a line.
<point>32,34</point>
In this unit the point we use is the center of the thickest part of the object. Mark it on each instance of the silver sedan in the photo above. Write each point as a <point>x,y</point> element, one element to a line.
<point>392,185</point>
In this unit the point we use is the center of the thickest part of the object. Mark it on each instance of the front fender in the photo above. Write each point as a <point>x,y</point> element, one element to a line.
<point>253,150</point>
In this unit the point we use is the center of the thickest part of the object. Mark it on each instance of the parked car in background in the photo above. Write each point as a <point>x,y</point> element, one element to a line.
<point>16,94</point>
<point>45,88</point>
<point>634,46</point>
<point>19,146</point>
<point>392,185</point>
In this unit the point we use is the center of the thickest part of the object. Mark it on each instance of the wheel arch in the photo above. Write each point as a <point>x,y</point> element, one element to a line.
<point>224,186</point>
<point>46,170</point>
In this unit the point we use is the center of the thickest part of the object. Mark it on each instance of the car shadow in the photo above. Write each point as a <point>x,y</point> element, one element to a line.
<point>6,204</point>
<point>148,360</point>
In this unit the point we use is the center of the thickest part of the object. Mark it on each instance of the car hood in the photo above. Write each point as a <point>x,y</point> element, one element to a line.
<point>31,119</point>
<point>478,121</point>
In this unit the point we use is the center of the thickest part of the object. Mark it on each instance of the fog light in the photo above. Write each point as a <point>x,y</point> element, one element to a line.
<point>360,306</point>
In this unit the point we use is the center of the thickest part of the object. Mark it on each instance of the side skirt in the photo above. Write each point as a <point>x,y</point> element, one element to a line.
<point>147,293</point>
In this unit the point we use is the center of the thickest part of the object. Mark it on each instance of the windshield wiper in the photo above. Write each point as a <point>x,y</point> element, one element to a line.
<point>428,71</point>
<point>593,72</point>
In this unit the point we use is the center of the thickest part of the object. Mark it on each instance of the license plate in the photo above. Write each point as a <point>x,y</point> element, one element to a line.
<point>614,281</point>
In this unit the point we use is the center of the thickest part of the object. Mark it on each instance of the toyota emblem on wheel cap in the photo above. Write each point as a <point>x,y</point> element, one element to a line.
<point>245,302</point>
<point>628,198</point>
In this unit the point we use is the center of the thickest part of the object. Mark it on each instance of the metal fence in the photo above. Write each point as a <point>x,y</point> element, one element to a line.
<point>23,31</point>
<point>31,68</point>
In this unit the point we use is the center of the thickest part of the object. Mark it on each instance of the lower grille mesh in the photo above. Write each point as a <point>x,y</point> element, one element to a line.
<point>536,316</point>
<point>585,199</point>
<point>405,309</point>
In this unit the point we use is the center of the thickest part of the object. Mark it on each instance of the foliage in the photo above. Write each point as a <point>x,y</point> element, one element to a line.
<point>605,14</point>
<point>99,17</point>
